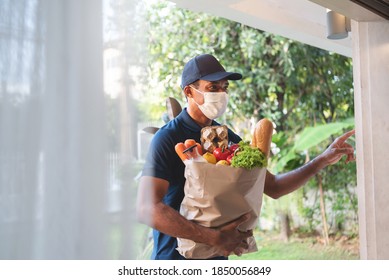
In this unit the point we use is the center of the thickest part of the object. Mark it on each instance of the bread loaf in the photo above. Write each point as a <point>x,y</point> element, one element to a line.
<point>262,136</point>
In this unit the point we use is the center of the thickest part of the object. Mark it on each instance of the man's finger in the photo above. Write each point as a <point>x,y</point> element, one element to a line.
<point>234,224</point>
<point>347,150</point>
<point>350,158</point>
<point>244,245</point>
<point>345,136</point>
<point>238,251</point>
<point>248,233</point>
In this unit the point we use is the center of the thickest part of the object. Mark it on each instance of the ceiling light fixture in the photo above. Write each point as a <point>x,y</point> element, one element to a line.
<point>338,26</point>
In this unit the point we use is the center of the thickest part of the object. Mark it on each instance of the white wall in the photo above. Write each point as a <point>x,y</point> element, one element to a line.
<point>371,83</point>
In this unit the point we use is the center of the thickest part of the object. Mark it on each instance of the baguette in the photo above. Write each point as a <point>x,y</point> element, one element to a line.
<point>262,136</point>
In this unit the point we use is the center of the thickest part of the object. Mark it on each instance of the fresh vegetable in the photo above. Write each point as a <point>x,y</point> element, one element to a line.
<point>189,143</point>
<point>180,148</point>
<point>233,148</point>
<point>222,162</point>
<point>229,158</point>
<point>210,158</point>
<point>248,157</point>
<point>190,149</point>
<point>244,155</point>
<point>221,153</point>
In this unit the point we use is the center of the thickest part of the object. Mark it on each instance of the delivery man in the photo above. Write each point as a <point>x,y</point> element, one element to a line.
<point>161,189</point>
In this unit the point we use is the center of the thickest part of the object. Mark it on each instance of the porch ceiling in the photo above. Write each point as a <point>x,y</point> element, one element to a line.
<point>300,20</point>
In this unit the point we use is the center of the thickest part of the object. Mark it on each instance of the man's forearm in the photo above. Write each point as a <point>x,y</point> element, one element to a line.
<point>282,184</point>
<point>171,222</point>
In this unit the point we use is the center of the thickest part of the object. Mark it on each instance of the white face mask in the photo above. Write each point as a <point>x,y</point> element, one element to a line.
<point>215,104</point>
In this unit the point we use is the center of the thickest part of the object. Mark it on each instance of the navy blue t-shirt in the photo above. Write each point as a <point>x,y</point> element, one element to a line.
<point>163,162</point>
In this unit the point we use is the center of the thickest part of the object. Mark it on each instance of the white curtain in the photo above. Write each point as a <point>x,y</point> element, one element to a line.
<point>55,174</point>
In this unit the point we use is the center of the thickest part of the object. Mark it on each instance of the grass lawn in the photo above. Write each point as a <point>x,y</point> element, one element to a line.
<point>270,247</point>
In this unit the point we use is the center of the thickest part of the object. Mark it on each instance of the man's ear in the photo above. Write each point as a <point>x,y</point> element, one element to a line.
<point>187,91</point>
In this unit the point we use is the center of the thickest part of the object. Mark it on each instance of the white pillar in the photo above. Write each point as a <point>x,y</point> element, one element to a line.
<point>371,83</point>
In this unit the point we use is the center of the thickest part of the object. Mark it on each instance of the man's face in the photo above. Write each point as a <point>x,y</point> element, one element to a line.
<point>217,86</point>
<point>207,86</point>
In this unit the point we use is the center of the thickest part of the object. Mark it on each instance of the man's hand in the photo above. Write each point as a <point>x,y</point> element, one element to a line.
<point>230,239</point>
<point>338,149</point>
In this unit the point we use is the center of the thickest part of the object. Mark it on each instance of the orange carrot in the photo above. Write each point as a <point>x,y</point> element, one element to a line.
<point>189,143</point>
<point>189,149</point>
<point>180,147</point>
<point>199,149</point>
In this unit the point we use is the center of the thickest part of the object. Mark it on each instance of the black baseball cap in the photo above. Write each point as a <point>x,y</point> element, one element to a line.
<point>205,67</point>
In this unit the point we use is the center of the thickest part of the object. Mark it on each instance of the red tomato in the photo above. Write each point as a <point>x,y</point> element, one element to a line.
<point>233,147</point>
<point>221,154</point>
<point>229,158</point>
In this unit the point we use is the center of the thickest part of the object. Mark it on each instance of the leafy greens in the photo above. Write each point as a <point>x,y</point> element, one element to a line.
<point>248,157</point>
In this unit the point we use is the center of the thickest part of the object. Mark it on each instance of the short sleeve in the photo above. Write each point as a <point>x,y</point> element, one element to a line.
<point>160,156</point>
<point>232,137</point>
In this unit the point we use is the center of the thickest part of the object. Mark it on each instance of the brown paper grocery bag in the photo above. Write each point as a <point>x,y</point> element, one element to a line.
<point>216,195</point>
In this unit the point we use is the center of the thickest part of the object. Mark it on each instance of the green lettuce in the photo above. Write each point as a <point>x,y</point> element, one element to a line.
<point>248,157</point>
